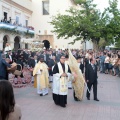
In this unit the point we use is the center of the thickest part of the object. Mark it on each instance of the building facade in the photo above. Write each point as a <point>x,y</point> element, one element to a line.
<point>20,17</point>
<point>15,23</point>
<point>43,12</point>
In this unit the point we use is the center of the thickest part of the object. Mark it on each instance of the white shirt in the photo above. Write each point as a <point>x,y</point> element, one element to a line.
<point>10,57</point>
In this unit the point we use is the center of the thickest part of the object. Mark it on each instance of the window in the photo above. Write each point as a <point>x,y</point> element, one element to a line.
<point>5,16</point>
<point>26,23</point>
<point>17,20</point>
<point>45,5</point>
<point>26,46</point>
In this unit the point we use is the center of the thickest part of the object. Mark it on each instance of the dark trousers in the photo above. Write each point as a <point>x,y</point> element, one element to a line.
<point>75,98</point>
<point>60,99</point>
<point>94,89</point>
<point>3,78</point>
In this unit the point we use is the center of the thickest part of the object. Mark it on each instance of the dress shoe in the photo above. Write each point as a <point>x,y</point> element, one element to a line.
<point>41,94</point>
<point>46,94</point>
<point>96,99</point>
<point>88,98</point>
<point>76,99</point>
<point>63,106</point>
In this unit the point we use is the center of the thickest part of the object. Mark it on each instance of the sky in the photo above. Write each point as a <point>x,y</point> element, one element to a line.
<point>101,4</point>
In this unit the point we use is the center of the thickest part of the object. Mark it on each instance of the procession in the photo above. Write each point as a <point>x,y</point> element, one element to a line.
<point>42,68</point>
<point>59,71</point>
<point>59,60</point>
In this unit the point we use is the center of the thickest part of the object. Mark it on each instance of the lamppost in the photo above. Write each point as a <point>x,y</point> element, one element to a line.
<point>85,45</point>
<point>84,41</point>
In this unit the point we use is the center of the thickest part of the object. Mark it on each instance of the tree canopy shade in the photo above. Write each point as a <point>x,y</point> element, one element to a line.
<point>88,23</point>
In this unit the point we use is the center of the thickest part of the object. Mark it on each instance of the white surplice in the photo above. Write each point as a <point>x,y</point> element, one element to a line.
<point>60,84</point>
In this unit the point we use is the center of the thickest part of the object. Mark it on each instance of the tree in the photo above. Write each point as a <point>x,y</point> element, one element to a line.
<point>81,23</point>
<point>111,31</point>
<point>88,23</point>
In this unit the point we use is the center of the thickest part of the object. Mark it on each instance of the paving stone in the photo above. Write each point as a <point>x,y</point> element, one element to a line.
<point>35,107</point>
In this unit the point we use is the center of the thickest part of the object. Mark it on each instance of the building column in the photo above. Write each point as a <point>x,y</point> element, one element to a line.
<point>1,41</point>
<point>29,47</point>
<point>22,45</point>
<point>1,45</point>
<point>12,44</point>
<point>12,41</point>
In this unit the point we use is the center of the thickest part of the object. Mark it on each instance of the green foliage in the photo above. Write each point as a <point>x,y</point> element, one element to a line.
<point>88,23</point>
<point>111,32</point>
<point>79,1</point>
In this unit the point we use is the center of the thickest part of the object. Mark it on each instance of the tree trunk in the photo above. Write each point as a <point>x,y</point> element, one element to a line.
<point>95,45</point>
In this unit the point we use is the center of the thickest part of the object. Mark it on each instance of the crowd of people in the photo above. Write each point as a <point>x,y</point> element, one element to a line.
<point>46,66</point>
<point>107,61</point>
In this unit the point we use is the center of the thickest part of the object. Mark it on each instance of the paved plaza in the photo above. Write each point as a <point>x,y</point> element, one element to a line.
<point>35,107</point>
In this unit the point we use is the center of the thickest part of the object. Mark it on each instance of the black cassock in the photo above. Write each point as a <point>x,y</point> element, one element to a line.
<point>60,99</point>
<point>51,63</point>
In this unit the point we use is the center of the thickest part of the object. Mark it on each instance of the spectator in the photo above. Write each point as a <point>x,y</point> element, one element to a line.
<point>3,67</point>
<point>8,109</point>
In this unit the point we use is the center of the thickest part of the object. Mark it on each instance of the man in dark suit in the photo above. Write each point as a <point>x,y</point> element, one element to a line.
<point>81,65</point>
<point>47,57</point>
<point>91,78</point>
<point>51,63</point>
<point>9,55</point>
<point>3,67</point>
<point>32,62</point>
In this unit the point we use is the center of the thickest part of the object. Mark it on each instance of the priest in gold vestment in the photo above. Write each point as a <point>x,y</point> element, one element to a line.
<point>41,75</point>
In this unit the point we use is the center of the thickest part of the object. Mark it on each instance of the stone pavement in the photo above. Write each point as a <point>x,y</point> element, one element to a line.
<point>35,107</point>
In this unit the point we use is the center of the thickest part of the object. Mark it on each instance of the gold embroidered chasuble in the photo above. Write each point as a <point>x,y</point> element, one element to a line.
<point>42,76</point>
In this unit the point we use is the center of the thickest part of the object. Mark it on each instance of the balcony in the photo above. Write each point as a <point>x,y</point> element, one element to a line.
<point>17,29</point>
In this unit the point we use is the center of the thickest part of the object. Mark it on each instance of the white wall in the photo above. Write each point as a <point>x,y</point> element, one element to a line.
<point>25,3</point>
<point>41,22</point>
<point>89,45</point>
<point>1,14</point>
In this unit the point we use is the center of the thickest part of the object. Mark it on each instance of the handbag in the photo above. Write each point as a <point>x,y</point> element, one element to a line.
<point>13,68</point>
<point>18,72</point>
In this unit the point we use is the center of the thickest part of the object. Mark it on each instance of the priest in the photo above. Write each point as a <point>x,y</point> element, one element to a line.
<point>61,74</point>
<point>40,72</point>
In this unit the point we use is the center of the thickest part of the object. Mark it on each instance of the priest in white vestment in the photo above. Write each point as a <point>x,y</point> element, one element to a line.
<point>61,74</point>
<point>41,74</point>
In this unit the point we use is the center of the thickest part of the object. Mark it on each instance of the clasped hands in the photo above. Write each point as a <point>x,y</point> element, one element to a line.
<point>64,75</point>
<point>41,70</point>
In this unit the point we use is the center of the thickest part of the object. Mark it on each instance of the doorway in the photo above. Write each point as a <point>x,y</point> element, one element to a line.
<point>5,40</point>
<point>46,44</point>
<point>17,43</point>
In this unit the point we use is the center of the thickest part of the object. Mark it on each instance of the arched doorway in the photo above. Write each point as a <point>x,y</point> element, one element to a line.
<point>5,40</point>
<point>17,43</point>
<point>46,44</point>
